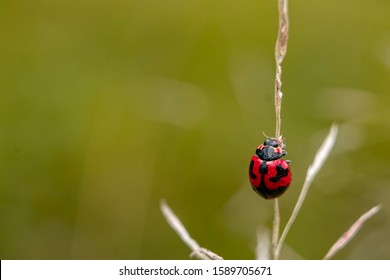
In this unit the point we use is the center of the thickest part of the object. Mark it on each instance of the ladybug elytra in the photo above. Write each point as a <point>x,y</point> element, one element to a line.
<point>270,175</point>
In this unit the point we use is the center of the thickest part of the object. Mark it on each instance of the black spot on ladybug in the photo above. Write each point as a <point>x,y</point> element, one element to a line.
<point>251,174</point>
<point>266,193</point>
<point>280,173</point>
<point>263,168</point>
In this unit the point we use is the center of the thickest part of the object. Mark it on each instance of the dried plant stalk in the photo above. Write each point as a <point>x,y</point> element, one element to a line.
<point>176,224</point>
<point>351,232</point>
<point>281,43</point>
<point>275,228</point>
<point>280,52</point>
<point>320,158</point>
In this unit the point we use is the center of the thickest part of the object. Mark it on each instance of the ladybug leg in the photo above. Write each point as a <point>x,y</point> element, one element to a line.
<point>288,161</point>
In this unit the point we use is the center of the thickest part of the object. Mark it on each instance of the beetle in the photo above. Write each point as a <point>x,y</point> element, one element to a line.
<point>269,174</point>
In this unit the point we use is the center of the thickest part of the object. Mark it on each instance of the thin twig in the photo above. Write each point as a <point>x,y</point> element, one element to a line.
<point>280,52</point>
<point>320,158</point>
<point>351,232</point>
<point>176,224</point>
<point>275,228</point>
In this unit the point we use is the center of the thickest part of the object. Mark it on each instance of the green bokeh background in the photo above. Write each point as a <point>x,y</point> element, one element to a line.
<point>106,107</point>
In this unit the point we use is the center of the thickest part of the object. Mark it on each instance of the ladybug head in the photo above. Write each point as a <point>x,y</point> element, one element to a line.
<point>272,149</point>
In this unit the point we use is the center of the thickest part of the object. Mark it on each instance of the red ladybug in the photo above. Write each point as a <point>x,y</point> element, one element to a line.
<point>270,175</point>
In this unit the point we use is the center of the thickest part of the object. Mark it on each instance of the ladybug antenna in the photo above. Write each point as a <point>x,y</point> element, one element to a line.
<point>265,135</point>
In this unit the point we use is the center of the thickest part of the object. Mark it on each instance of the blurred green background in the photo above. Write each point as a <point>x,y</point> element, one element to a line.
<point>106,107</point>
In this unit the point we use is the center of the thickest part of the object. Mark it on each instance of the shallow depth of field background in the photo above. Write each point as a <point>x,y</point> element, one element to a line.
<point>106,107</point>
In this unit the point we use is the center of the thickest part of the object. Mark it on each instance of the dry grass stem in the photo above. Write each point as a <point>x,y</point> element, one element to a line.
<point>322,154</point>
<point>351,232</point>
<point>275,227</point>
<point>320,158</point>
<point>176,224</point>
<point>280,52</point>
<point>281,43</point>
<point>205,254</point>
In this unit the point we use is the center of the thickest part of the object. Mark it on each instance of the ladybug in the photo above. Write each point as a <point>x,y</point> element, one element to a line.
<point>270,175</point>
